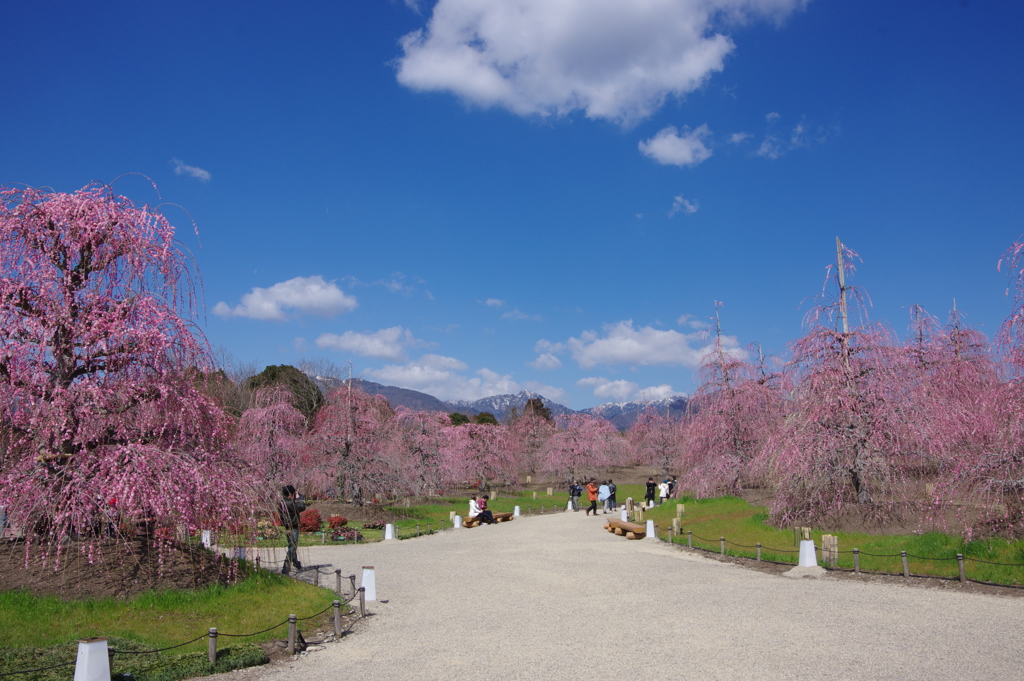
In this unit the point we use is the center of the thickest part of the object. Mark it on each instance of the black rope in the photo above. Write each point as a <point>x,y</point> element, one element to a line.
<point>159,650</point>
<point>256,633</point>
<point>988,562</point>
<point>41,669</point>
<point>303,619</point>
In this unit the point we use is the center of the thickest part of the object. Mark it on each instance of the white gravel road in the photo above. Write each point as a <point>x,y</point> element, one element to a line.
<point>558,597</point>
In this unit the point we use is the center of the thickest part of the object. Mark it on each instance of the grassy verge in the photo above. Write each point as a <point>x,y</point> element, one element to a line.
<point>931,553</point>
<point>42,631</point>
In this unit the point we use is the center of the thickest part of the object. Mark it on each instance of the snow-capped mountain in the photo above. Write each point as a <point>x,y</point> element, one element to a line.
<point>625,414</point>
<point>502,405</point>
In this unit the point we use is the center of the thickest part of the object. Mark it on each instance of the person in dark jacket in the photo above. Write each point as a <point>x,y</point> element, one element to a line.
<point>291,506</point>
<point>649,494</point>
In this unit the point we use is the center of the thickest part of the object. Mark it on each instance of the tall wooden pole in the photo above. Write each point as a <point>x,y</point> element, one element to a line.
<point>842,287</point>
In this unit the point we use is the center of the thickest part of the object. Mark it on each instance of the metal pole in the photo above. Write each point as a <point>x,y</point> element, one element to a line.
<point>429,531</point>
<point>960,563</point>
<point>689,538</point>
<point>362,601</point>
<point>337,581</point>
<point>417,528</point>
<point>352,578</point>
<point>316,576</point>
<point>759,552</point>
<point>906,570</point>
<point>856,561</point>
<point>291,634</point>
<point>723,545</point>
<point>212,649</point>
<point>337,614</point>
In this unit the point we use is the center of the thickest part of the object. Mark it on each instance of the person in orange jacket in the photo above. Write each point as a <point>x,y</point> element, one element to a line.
<point>592,497</point>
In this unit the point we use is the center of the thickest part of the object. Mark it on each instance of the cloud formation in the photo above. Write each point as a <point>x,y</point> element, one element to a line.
<point>621,344</point>
<point>611,59</point>
<point>681,205</point>
<point>670,147</point>
<point>622,390</point>
<point>518,316</point>
<point>494,302</point>
<point>442,377</point>
<point>546,362</point>
<point>386,344</point>
<point>301,295</point>
<point>182,168</point>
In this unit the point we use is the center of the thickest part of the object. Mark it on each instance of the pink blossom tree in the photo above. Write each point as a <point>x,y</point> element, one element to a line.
<point>843,444</point>
<point>270,436</point>
<point>482,454</point>
<point>656,439</point>
<point>95,340</point>
<point>581,445</point>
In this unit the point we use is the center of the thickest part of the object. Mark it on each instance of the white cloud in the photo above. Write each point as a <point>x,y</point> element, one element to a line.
<point>494,302</point>
<point>546,361</point>
<point>669,147</point>
<point>778,143</point>
<point>518,316</point>
<point>609,390</point>
<point>739,137</point>
<point>386,344</point>
<point>309,295</point>
<point>544,345</point>
<point>690,321</point>
<point>548,391</point>
<point>440,376</point>
<point>657,392</point>
<point>182,168</point>
<point>622,344</point>
<point>611,59</point>
<point>681,205</point>
<point>773,116</point>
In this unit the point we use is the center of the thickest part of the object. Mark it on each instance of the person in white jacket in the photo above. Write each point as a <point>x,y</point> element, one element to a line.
<point>663,490</point>
<point>474,508</point>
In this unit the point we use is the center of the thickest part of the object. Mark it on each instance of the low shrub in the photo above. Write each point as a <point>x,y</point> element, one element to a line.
<point>336,521</point>
<point>374,525</point>
<point>343,534</point>
<point>309,521</point>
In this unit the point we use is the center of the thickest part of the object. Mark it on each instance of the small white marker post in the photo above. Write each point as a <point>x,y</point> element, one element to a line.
<point>369,583</point>
<point>808,558</point>
<point>458,521</point>
<point>207,539</point>
<point>650,503</point>
<point>515,512</point>
<point>623,515</point>
<point>651,533</point>
<point>93,663</point>
<point>389,530</point>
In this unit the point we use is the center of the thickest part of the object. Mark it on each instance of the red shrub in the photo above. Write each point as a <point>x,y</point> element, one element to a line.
<point>309,521</point>
<point>336,521</point>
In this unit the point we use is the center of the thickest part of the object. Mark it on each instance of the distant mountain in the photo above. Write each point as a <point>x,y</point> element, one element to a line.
<point>396,397</point>
<point>624,414</point>
<point>502,405</point>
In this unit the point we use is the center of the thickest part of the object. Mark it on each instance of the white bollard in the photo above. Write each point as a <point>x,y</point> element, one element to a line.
<point>458,521</point>
<point>207,539</point>
<point>93,663</point>
<point>650,530</point>
<point>369,582</point>
<point>623,515</point>
<point>808,558</point>
<point>650,504</point>
<point>515,512</point>
<point>389,531</point>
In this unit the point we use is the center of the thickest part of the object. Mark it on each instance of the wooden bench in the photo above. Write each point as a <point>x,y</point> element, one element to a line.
<point>498,518</point>
<point>628,530</point>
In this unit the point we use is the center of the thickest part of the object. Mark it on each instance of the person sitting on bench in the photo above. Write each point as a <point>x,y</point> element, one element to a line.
<point>474,508</point>
<point>485,515</point>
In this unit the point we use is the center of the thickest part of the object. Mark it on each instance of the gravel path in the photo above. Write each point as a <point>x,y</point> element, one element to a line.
<point>558,597</point>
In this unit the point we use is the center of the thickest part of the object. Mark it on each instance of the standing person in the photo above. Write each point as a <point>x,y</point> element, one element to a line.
<point>575,490</point>
<point>611,496</point>
<point>649,494</point>
<point>673,486</point>
<point>602,495</point>
<point>291,506</point>
<point>592,497</point>
<point>663,489</point>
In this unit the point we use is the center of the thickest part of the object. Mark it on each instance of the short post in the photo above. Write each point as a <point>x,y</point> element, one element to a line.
<point>856,561</point>
<point>960,563</point>
<point>451,516</point>
<point>534,495</point>
<point>207,539</point>
<point>808,556</point>
<point>211,649</point>
<point>550,491</point>
<point>758,552</point>
<point>689,539</point>
<point>291,634</point>
<point>429,531</point>
<point>337,581</point>
<point>515,512</point>
<point>529,479</point>
<point>652,531</point>
<point>906,569</point>
<point>721,541</point>
<point>362,601</point>
<point>352,578</point>
<point>542,509</point>
<point>337,615</point>
<point>257,562</point>
<point>624,515</point>
<point>675,525</point>
<point>93,662</point>
<point>369,583</point>
<point>680,509</point>
<point>417,528</point>
<point>457,522</point>
<point>316,576</point>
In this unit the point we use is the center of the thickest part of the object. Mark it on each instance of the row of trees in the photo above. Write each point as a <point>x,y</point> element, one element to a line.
<point>111,405</point>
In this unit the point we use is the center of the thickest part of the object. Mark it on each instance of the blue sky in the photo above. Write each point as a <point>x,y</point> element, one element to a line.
<point>473,198</point>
